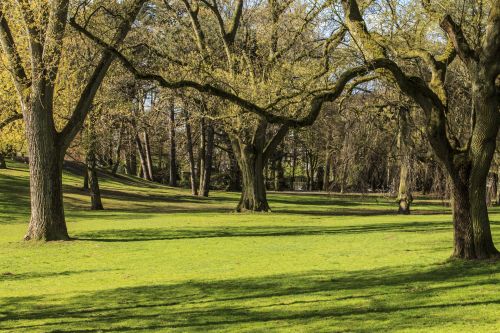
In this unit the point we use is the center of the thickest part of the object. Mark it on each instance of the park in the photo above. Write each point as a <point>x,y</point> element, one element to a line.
<point>240,166</point>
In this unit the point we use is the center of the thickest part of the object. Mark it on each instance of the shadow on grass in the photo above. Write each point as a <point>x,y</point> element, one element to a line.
<point>363,301</point>
<point>14,198</point>
<point>9,276</point>
<point>154,234</point>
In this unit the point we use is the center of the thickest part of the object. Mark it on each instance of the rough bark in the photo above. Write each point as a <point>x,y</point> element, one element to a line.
<point>252,155</point>
<point>462,223</point>
<point>46,159</point>
<point>253,195</point>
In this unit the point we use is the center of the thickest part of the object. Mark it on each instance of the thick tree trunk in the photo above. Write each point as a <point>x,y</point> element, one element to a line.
<point>253,195</point>
<point>462,222</point>
<point>47,211</point>
<point>172,156</point>
<point>482,149</point>
<point>192,166</point>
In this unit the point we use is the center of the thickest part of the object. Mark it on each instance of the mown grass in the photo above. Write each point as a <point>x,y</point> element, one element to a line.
<point>158,259</point>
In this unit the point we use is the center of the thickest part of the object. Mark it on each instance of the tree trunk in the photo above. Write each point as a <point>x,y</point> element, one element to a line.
<point>405,197</point>
<point>192,166</point>
<point>45,163</point>
<point>482,149</point>
<point>326,178</point>
<point>142,157</point>
<point>172,156</point>
<point>491,194</point>
<point>234,172</point>
<point>280,174</point>
<point>253,195</point>
<point>85,179</point>
<point>462,223</point>
<point>207,159</point>
<point>131,158</point>
<point>148,157</point>
<point>116,163</point>
<point>93,182</point>
<point>3,165</point>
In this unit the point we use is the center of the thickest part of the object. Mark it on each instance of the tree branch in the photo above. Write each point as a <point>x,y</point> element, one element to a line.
<point>275,141</point>
<point>14,60</point>
<point>84,104</point>
<point>457,37</point>
<point>10,119</point>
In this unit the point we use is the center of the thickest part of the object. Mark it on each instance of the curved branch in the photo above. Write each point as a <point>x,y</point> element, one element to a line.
<point>10,119</point>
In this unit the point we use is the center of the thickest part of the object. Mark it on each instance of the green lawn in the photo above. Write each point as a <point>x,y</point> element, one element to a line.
<point>160,260</point>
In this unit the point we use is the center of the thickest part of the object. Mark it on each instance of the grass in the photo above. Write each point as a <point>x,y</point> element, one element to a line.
<point>160,260</point>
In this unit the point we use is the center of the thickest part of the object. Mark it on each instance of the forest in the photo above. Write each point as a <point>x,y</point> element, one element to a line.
<point>248,166</point>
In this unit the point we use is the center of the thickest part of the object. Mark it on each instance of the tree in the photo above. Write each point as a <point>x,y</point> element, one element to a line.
<point>468,165</point>
<point>44,26</point>
<point>405,197</point>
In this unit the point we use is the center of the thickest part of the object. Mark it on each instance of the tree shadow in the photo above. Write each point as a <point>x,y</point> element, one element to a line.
<point>372,300</point>
<point>156,234</point>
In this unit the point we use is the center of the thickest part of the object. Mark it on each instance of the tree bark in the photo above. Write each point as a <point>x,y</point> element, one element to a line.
<point>142,157</point>
<point>405,197</point>
<point>462,223</point>
<point>253,196</point>
<point>252,156</point>
<point>93,182</point>
<point>116,163</point>
<point>482,148</point>
<point>207,158</point>
<point>148,157</point>
<point>45,163</point>
<point>234,172</point>
<point>189,144</point>
<point>280,174</point>
<point>85,186</point>
<point>172,156</point>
